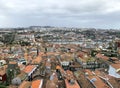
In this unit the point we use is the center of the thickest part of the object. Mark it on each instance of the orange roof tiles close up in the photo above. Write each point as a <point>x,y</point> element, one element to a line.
<point>29,68</point>
<point>37,84</point>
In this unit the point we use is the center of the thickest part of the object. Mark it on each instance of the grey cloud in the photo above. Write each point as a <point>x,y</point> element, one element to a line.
<point>80,13</point>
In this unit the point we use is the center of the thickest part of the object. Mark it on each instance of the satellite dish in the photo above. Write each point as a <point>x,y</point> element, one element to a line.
<point>16,81</point>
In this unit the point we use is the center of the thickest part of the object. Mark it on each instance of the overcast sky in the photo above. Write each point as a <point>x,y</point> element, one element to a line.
<point>61,13</point>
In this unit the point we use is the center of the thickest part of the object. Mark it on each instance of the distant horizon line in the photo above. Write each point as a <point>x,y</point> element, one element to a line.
<point>48,26</point>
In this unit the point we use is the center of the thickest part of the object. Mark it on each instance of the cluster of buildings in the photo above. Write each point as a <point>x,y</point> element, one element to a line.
<point>49,64</point>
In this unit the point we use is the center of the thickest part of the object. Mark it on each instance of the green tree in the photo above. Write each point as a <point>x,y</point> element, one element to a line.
<point>8,38</point>
<point>93,53</point>
<point>10,75</point>
<point>24,43</point>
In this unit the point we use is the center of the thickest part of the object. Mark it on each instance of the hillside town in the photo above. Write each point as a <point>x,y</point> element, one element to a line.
<point>59,57</point>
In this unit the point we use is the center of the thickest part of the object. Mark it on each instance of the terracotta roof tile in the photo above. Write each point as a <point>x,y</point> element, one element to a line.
<point>37,84</point>
<point>37,60</point>
<point>25,84</point>
<point>12,62</point>
<point>116,65</point>
<point>98,82</point>
<point>68,85</point>
<point>58,67</point>
<point>50,84</point>
<point>102,56</point>
<point>29,68</point>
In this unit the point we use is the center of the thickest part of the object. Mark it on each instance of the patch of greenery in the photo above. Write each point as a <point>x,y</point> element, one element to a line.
<point>8,38</point>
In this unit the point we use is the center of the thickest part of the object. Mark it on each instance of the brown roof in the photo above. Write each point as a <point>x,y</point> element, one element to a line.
<point>37,59</point>
<point>114,58</point>
<point>68,85</point>
<point>25,84</point>
<point>69,75</point>
<point>102,57</point>
<point>26,56</point>
<point>81,54</point>
<point>58,67</point>
<point>3,70</point>
<point>48,64</point>
<point>114,82</point>
<point>50,84</point>
<point>67,57</point>
<point>116,65</point>
<point>98,82</point>
<point>12,62</point>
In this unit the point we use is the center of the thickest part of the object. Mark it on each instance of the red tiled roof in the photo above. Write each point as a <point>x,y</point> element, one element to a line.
<point>37,84</point>
<point>12,62</point>
<point>58,67</point>
<point>29,68</point>
<point>68,85</point>
<point>69,75</point>
<point>102,56</point>
<point>37,60</point>
<point>81,54</point>
<point>50,84</point>
<point>98,82</point>
<point>116,65</point>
